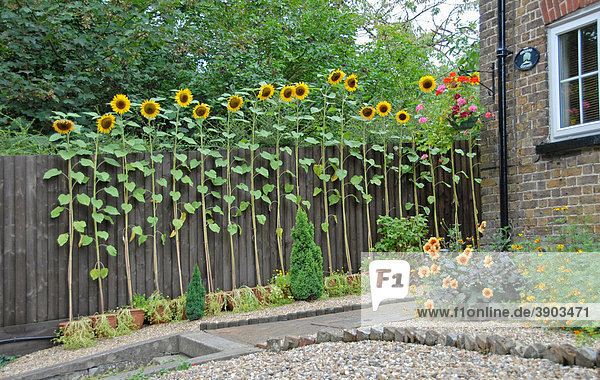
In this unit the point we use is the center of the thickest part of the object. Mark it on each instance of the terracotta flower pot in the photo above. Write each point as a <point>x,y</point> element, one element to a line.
<point>138,317</point>
<point>174,310</point>
<point>221,298</point>
<point>262,298</point>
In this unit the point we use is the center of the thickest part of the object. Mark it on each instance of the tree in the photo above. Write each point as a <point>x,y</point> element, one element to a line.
<point>306,268</point>
<point>195,298</point>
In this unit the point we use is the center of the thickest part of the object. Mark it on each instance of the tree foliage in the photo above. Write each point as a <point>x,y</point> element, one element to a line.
<point>196,297</point>
<point>306,262</point>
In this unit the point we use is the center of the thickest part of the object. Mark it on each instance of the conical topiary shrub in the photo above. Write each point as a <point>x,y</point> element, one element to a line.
<point>195,299</point>
<point>306,269</point>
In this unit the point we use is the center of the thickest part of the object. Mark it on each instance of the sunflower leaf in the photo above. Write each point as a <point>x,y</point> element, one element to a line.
<point>52,173</point>
<point>56,212</point>
<point>62,239</point>
<point>84,199</point>
<point>99,218</point>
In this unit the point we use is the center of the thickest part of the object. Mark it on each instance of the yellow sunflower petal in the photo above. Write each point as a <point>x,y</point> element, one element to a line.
<point>383,108</point>
<point>300,91</point>
<point>63,126</point>
<point>351,83</point>
<point>234,103</point>
<point>287,93</point>
<point>336,77</point>
<point>106,123</point>
<point>184,97</point>
<point>367,112</point>
<point>402,117</point>
<point>427,83</point>
<point>201,111</point>
<point>266,92</point>
<point>150,109</point>
<point>120,104</point>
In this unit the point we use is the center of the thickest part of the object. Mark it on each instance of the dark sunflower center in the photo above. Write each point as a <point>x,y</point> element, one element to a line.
<point>427,83</point>
<point>106,123</point>
<point>335,76</point>
<point>200,111</point>
<point>367,112</point>
<point>121,104</point>
<point>150,108</point>
<point>287,92</point>
<point>383,108</point>
<point>266,92</point>
<point>234,103</point>
<point>402,116</point>
<point>184,98</point>
<point>63,125</point>
<point>351,82</point>
<point>300,91</point>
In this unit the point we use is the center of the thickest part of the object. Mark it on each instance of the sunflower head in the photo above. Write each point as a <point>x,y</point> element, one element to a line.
<point>120,104</point>
<point>367,112</point>
<point>383,108</point>
<point>402,117</point>
<point>201,111</point>
<point>150,109</point>
<point>106,123</point>
<point>336,77</point>
<point>266,92</point>
<point>184,97</point>
<point>351,83</point>
<point>287,93</point>
<point>234,103</point>
<point>63,126</point>
<point>300,91</point>
<point>427,83</point>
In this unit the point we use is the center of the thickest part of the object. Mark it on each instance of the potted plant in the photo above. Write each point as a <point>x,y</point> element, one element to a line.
<point>138,309</point>
<point>177,306</point>
<point>76,334</point>
<point>127,322</point>
<point>157,309</point>
<point>215,303</point>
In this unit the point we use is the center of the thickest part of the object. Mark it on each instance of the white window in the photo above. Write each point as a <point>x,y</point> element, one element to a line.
<point>573,51</point>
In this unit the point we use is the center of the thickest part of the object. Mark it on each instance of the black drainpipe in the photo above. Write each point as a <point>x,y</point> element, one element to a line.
<point>26,339</point>
<point>501,54</point>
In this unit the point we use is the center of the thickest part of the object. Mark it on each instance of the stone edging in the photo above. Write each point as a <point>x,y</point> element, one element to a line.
<point>564,354</point>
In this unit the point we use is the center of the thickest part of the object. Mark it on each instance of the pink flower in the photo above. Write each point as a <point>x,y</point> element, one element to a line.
<point>422,120</point>
<point>419,107</point>
<point>488,115</point>
<point>424,157</point>
<point>473,108</point>
<point>441,88</point>
<point>586,105</point>
<point>461,101</point>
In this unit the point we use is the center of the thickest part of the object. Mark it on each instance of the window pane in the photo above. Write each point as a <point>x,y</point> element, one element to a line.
<point>590,98</point>
<point>569,103</point>
<point>567,45</point>
<point>589,45</point>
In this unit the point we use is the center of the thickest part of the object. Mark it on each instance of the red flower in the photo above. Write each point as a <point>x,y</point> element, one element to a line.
<point>462,78</point>
<point>455,108</point>
<point>464,114</point>
<point>452,75</point>
<point>488,115</point>
<point>474,80</point>
<point>457,96</point>
<point>447,80</point>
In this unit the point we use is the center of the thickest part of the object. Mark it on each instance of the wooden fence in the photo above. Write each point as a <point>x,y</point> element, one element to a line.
<point>33,268</point>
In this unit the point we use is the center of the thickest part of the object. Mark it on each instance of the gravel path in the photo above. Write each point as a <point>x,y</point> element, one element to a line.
<point>381,360</point>
<point>58,354</point>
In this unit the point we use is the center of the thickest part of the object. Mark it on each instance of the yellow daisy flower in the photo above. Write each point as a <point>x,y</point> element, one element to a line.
<point>120,104</point>
<point>106,123</point>
<point>150,109</point>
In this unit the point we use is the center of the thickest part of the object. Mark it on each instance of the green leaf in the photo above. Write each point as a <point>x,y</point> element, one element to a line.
<point>157,198</point>
<point>111,161</point>
<point>157,158</point>
<point>229,198</point>
<point>317,191</point>
<point>261,219</point>
<point>175,195</point>
<point>112,191</point>
<point>138,194</point>
<point>79,226</point>
<point>96,203</point>
<point>103,176</point>
<point>162,182</point>
<point>152,220</point>
<point>456,178</point>
<point>262,171</point>
<point>79,177</point>
<point>306,204</point>
<point>243,186</point>
<point>142,239</point>
<point>177,223</point>
<point>232,228</point>
<point>279,232</point>
<point>126,207</point>
<point>177,174</point>
<point>111,210</point>
<point>431,199</point>
<point>189,208</point>
<point>187,180</point>
<point>288,187</point>
<point>130,186</point>
<point>181,157</point>
<point>52,173</point>
<point>137,230</point>
<point>244,205</point>
<point>64,199</point>
<point>87,240</point>
<point>98,217</point>
<point>267,188</point>
<point>356,180</point>
<point>478,180</point>
<point>122,177</point>
<point>104,272</point>
<point>256,194</point>
<point>55,213</point>
<point>460,151</point>
<point>333,199</point>
<point>84,199</point>
<point>95,273</point>
<point>194,163</point>
<point>111,250</point>
<point>214,227</point>
<point>62,239</point>
<point>103,235</point>
<point>408,206</point>
<point>325,226</point>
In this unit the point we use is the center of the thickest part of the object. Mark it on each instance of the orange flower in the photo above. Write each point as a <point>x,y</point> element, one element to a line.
<point>427,248</point>
<point>434,269</point>
<point>433,255</point>
<point>434,241</point>
<point>423,272</point>
<point>454,284</point>
<point>446,282</point>
<point>468,252</point>
<point>447,80</point>
<point>487,293</point>
<point>428,304</point>
<point>488,261</point>
<point>462,259</point>
<point>462,79</point>
<point>452,75</point>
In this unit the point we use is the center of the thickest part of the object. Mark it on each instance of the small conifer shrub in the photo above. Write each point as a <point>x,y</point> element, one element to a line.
<point>306,268</point>
<point>195,299</point>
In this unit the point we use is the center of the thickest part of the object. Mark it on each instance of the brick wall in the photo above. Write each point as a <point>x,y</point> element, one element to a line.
<point>537,184</point>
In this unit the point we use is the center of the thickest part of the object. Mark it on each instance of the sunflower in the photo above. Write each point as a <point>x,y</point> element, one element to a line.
<point>287,93</point>
<point>120,104</point>
<point>201,111</point>
<point>106,123</point>
<point>266,92</point>
<point>402,117</point>
<point>63,126</point>
<point>300,91</point>
<point>351,83</point>
<point>383,108</point>
<point>336,77</point>
<point>184,97</point>
<point>150,109</point>
<point>367,112</point>
<point>427,83</point>
<point>234,103</point>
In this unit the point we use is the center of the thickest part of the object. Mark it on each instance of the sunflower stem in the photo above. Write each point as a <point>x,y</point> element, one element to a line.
<point>70,263</point>
<point>433,192</point>
<point>252,200</point>
<point>233,283</point>
<point>296,147</point>
<point>279,229</point>
<point>400,155</point>
<point>94,192</point>
<point>126,202</point>
<point>414,175</point>
<point>472,178</point>
<point>343,190</point>
<point>209,278</point>
<point>366,180</point>
<point>175,210</point>
<point>153,188</point>
<point>324,184</point>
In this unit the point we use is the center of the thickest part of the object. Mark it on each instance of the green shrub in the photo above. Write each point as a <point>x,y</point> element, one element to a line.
<point>77,334</point>
<point>306,269</point>
<point>336,285</point>
<point>401,234</point>
<point>244,299</point>
<point>196,297</point>
<point>216,303</point>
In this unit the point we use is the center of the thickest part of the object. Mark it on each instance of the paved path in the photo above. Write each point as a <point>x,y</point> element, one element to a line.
<point>253,334</point>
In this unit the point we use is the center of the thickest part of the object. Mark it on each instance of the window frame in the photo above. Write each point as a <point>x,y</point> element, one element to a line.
<point>569,23</point>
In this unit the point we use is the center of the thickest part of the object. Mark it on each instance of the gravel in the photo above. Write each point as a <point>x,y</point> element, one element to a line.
<point>58,354</point>
<point>381,360</point>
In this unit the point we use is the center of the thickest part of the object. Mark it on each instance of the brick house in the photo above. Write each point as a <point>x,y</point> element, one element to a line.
<point>552,113</point>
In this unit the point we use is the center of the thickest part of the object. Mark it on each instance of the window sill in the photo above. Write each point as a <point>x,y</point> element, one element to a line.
<point>566,145</point>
